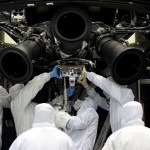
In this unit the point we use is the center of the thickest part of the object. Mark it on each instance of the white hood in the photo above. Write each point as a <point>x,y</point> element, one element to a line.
<point>132,114</point>
<point>44,115</point>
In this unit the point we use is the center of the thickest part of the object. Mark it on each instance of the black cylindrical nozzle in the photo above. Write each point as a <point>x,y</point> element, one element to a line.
<point>71,26</point>
<point>126,64</point>
<point>16,62</point>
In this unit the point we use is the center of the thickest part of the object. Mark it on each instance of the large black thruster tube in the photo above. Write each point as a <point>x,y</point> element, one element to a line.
<point>71,26</point>
<point>126,64</point>
<point>16,62</point>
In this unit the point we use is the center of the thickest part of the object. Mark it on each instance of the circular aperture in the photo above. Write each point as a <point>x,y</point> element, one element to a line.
<point>14,65</point>
<point>128,67</point>
<point>71,25</point>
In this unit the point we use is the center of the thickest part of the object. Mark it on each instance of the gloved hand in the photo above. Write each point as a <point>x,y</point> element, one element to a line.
<point>54,73</point>
<point>70,91</point>
<point>84,72</point>
<point>77,104</point>
<point>61,119</point>
<point>82,80</point>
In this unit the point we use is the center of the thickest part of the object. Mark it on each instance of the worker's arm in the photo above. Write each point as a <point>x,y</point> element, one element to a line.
<point>30,90</point>
<point>5,98</point>
<point>116,91</point>
<point>83,121</point>
<point>101,101</point>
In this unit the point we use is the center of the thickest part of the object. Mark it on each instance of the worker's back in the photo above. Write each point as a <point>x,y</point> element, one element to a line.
<point>43,138</point>
<point>135,137</point>
<point>43,135</point>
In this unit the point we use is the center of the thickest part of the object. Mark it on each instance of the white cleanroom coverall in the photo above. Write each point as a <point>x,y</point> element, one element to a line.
<point>5,100</point>
<point>43,135</point>
<point>133,135</point>
<point>82,128</point>
<point>21,106</point>
<point>119,95</point>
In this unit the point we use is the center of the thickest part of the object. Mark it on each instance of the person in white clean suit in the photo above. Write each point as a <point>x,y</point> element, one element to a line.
<point>117,94</point>
<point>23,110</point>
<point>5,100</point>
<point>133,135</point>
<point>21,106</point>
<point>82,128</point>
<point>43,135</point>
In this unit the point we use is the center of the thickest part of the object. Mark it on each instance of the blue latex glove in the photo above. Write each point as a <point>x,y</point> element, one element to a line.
<point>54,73</point>
<point>70,91</point>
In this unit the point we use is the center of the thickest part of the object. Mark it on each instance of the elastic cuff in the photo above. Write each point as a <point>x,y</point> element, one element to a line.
<point>65,121</point>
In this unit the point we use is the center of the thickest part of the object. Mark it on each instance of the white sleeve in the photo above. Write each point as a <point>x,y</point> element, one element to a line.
<point>83,121</point>
<point>116,91</point>
<point>30,90</point>
<point>101,101</point>
<point>5,98</point>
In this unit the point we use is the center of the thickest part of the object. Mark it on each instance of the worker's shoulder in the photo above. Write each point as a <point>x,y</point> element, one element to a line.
<point>57,133</point>
<point>91,113</point>
<point>56,130</point>
<point>135,130</point>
